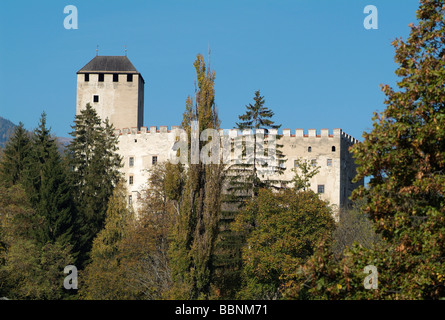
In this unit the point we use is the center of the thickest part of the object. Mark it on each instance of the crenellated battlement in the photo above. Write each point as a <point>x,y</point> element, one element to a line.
<point>233,133</point>
<point>145,130</point>
<point>350,139</point>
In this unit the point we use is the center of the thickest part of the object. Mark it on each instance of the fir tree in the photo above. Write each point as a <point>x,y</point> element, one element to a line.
<point>46,182</point>
<point>244,176</point>
<point>243,180</point>
<point>94,174</point>
<point>13,156</point>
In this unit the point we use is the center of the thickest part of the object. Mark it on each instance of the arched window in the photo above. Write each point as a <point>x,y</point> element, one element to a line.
<point>333,148</point>
<point>309,149</point>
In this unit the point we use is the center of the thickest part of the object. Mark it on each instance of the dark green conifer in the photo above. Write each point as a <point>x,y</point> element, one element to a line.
<point>13,156</point>
<point>94,174</point>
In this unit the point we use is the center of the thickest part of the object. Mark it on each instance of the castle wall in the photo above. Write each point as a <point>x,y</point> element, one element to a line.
<point>329,149</point>
<point>348,170</point>
<point>297,146</point>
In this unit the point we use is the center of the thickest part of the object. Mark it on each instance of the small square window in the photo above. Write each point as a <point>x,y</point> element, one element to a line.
<point>131,161</point>
<point>154,160</point>
<point>329,162</point>
<point>130,180</point>
<point>101,77</point>
<point>129,78</point>
<point>95,98</point>
<point>87,77</point>
<point>115,77</point>
<point>321,188</point>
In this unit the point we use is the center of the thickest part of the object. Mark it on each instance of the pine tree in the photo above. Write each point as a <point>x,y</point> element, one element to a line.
<point>13,156</point>
<point>94,174</point>
<point>46,182</point>
<point>196,231</point>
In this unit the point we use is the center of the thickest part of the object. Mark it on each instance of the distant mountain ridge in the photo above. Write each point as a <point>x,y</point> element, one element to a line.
<point>7,129</point>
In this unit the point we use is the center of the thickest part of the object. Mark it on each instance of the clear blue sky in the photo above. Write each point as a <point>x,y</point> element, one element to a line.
<point>313,60</point>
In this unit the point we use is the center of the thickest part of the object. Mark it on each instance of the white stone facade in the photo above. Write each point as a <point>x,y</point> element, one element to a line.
<point>121,101</point>
<point>141,149</point>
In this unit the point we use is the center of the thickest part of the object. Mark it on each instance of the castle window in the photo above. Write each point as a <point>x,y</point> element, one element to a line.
<point>130,200</point>
<point>154,160</point>
<point>333,148</point>
<point>101,77</point>
<point>295,163</point>
<point>130,180</point>
<point>87,77</point>
<point>115,77</point>
<point>314,162</point>
<point>129,78</point>
<point>95,98</point>
<point>329,163</point>
<point>309,149</point>
<point>321,188</point>
<point>131,161</point>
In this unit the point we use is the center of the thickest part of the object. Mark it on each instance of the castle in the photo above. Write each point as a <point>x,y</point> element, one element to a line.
<point>113,86</point>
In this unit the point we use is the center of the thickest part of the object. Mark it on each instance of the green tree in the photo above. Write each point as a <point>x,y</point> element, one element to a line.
<point>12,160</point>
<point>244,180</point>
<point>354,227</point>
<point>95,172</point>
<point>28,270</point>
<point>105,279</point>
<point>303,173</point>
<point>46,182</point>
<point>145,246</point>
<point>282,230</point>
<point>196,231</point>
<point>249,172</point>
<point>405,156</point>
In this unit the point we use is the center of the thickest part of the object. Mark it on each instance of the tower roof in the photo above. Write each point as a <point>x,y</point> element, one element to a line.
<point>103,64</point>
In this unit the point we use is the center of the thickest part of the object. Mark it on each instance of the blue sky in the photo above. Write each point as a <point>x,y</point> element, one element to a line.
<point>313,60</point>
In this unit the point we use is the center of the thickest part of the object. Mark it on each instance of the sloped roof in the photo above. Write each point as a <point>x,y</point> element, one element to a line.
<point>109,64</point>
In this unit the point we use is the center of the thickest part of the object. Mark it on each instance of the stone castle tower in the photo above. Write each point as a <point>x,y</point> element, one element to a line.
<point>113,86</point>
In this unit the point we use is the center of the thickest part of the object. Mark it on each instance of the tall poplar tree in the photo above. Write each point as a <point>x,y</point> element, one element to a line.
<point>197,228</point>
